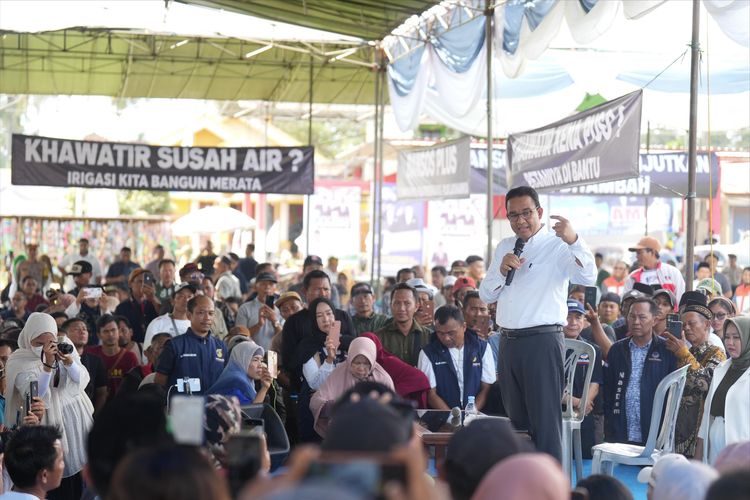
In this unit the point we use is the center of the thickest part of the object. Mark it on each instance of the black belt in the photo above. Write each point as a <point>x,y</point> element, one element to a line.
<point>531,331</point>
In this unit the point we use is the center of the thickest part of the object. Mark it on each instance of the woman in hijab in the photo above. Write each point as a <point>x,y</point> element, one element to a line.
<point>526,476</point>
<point>684,481</point>
<point>361,365</point>
<point>61,382</point>
<point>409,382</point>
<point>721,308</point>
<point>726,415</point>
<point>238,378</point>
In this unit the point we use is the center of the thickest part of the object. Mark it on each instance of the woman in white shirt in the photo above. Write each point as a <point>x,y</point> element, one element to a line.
<point>321,346</point>
<point>726,414</point>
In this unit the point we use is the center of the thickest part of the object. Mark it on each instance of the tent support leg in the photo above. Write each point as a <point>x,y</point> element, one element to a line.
<point>490,215</point>
<point>692,146</point>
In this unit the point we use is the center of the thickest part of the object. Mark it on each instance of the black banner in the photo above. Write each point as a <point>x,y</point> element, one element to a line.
<point>44,161</point>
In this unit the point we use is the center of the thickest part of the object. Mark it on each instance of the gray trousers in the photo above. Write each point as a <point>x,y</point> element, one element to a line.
<point>531,381</point>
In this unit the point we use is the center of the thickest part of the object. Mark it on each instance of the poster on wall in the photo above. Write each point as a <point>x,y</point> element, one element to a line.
<point>456,229</point>
<point>403,232</point>
<point>335,221</point>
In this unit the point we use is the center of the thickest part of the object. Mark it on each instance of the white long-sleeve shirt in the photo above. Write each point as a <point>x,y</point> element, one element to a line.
<point>539,291</point>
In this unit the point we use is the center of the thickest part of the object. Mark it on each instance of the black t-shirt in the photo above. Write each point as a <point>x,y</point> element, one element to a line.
<point>97,374</point>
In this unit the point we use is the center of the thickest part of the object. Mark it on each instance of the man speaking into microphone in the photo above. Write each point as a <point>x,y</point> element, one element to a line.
<point>528,278</point>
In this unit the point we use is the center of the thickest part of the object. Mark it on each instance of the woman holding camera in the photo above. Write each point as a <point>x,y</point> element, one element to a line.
<point>52,363</point>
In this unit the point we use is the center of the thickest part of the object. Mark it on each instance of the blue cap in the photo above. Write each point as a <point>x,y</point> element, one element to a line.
<point>575,306</point>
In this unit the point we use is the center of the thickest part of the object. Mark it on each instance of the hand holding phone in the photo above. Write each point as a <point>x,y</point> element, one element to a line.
<point>675,328</point>
<point>590,296</point>
<point>273,364</point>
<point>92,292</point>
<point>335,334</point>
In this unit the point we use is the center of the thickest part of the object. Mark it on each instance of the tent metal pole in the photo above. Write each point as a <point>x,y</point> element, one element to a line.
<point>381,157</point>
<point>488,41</point>
<point>309,141</point>
<point>692,145</point>
<point>375,194</point>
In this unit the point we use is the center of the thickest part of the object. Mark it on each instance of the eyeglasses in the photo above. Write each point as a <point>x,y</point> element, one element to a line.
<point>526,214</point>
<point>720,316</point>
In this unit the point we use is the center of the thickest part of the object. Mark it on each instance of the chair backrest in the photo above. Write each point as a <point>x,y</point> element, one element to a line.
<point>276,437</point>
<point>664,413</point>
<point>575,351</point>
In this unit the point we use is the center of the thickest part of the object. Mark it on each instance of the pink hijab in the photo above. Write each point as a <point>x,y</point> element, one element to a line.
<point>341,380</point>
<point>526,476</point>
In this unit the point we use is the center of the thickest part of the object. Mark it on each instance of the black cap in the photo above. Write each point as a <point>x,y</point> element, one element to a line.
<point>610,297</point>
<point>311,260</point>
<point>80,267</point>
<point>265,277</point>
<point>695,302</point>
<point>186,284</point>
<point>361,288</point>
<point>644,288</point>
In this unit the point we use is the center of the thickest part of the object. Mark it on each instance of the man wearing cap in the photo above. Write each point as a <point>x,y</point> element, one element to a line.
<point>652,271</point>
<point>175,322</point>
<point>314,263</point>
<point>650,475</point>
<point>365,318</point>
<point>426,305</point>
<point>609,308</point>
<point>81,273</point>
<point>82,254</point>
<point>463,285</point>
<point>143,306</point>
<point>457,363</point>
<point>703,358</point>
<point>531,312</point>
<point>726,286</point>
<point>633,369</point>
<point>459,268</point>
<point>572,330</point>
<point>260,315</point>
<point>227,284</point>
<point>615,283</point>
<point>402,335</point>
<point>447,290</point>
<point>476,267</point>
<point>119,271</point>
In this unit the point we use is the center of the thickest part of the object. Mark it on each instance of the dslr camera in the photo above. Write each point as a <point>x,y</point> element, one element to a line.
<point>64,348</point>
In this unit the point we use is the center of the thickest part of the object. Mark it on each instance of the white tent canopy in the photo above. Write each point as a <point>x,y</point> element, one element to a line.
<point>210,220</point>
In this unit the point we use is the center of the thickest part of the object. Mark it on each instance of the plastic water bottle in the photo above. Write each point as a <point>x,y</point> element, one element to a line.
<point>470,412</point>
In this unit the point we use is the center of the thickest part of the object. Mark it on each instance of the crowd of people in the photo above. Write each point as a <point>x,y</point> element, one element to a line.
<point>91,365</point>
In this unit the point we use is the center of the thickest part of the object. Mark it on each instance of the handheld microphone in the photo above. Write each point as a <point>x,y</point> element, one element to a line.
<point>516,251</point>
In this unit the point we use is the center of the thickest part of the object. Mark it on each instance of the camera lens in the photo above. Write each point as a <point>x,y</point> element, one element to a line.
<point>64,348</point>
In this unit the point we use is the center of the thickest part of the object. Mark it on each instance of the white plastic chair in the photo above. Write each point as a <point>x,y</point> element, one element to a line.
<point>661,431</point>
<point>571,432</point>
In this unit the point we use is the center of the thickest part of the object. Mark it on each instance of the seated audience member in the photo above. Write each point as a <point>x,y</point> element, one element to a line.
<point>261,319</point>
<point>365,318</point>
<point>684,481</point>
<point>463,286</point>
<point>34,460</point>
<point>721,309</point>
<point>464,468</point>
<point>133,379</point>
<point>525,475</point>
<point>402,335</point>
<point>601,487</point>
<point>143,306</point>
<point>61,383</point>
<point>116,360</point>
<point>621,325</point>
<point>426,305</point>
<point>634,367</point>
<point>703,358</point>
<point>360,366</point>
<point>34,299</point>
<point>222,418</point>
<point>81,272</point>
<point>167,473</point>
<point>120,270</point>
<point>238,378</point>
<point>572,330</point>
<point>288,304</point>
<point>651,474</point>
<point>477,315</point>
<point>320,346</point>
<point>17,309</point>
<point>742,293</point>
<point>126,338</point>
<point>126,424</point>
<point>457,363</point>
<point>726,413</point>
<point>447,290</point>
<point>195,354</point>
<point>409,382</point>
<point>731,486</point>
<point>439,274</point>
<point>709,287</point>
<point>75,329</point>
<point>366,425</point>
<point>176,322</point>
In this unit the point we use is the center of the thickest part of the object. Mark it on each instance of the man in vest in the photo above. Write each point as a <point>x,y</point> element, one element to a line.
<point>652,271</point>
<point>456,362</point>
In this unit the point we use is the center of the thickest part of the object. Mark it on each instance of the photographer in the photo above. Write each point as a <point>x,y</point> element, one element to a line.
<point>55,365</point>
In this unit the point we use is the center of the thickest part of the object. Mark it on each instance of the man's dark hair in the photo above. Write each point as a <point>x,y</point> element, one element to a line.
<point>233,300</point>
<point>520,192</point>
<point>314,274</point>
<point>408,270</point>
<point>473,258</point>
<point>164,262</point>
<point>27,278</point>
<point>81,240</point>
<point>469,295</point>
<point>105,319</point>
<point>250,246</point>
<point>703,264</point>
<point>576,289</point>
<point>193,303</point>
<point>233,256</point>
<point>125,424</point>
<point>30,450</point>
<point>443,314</point>
<point>123,319</point>
<point>404,286</point>
<point>67,324</point>
<point>126,249</point>
<point>440,269</point>
<point>9,343</point>
<point>264,267</point>
<point>598,255</point>
<point>601,486</point>
<point>732,485</point>
<point>652,307</point>
<point>59,314</point>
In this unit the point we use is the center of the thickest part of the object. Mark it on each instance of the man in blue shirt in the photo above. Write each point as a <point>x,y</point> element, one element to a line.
<point>195,354</point>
